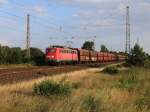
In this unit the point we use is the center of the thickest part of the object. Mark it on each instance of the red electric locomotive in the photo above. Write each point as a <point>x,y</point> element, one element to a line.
<point>57,55</point>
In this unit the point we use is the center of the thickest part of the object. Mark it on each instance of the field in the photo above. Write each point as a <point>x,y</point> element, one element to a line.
<point>91,91</point>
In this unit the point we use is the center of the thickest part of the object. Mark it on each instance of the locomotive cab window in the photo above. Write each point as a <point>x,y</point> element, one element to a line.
<point>52,50</point>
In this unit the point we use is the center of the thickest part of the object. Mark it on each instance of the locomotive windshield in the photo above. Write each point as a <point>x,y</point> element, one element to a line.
<point>50,50</point>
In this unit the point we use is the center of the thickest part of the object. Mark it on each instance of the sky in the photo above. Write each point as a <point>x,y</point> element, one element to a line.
<point>73,22</point>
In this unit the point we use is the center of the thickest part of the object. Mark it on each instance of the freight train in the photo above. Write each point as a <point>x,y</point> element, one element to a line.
<point>63,55</point>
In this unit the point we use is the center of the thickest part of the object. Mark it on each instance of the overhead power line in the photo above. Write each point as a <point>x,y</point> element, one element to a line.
<point>11,14</point>
<point>33,21</point>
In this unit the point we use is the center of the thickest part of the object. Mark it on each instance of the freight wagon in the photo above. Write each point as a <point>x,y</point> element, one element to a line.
<point>84,55</point>
<point>100,57</point>
<point>93,56</point>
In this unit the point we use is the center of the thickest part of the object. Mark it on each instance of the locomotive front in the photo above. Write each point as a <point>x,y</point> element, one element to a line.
<point>51,55</point>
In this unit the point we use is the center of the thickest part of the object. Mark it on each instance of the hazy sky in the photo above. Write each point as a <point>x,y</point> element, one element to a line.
<point>59,21</point>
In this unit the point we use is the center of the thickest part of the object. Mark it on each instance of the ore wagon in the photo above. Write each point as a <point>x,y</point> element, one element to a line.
<point>93,56</point>
<point>84,55</point>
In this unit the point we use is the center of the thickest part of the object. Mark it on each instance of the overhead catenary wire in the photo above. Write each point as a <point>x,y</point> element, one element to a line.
<point>7,21</point>
<point>23,19</point>
<point>41,19</point>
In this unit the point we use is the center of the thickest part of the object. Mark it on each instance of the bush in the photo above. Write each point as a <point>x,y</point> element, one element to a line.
<point>119,66</point>
<point>48,87</point>
<point>111,70</point>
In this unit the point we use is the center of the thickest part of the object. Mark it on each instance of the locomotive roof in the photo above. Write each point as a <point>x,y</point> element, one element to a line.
<point>57,46</point>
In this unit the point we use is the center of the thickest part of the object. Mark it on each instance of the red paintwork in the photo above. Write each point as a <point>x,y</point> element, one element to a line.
<point>113,57</point>
<point>61,54</point>
<point>105,59</point>
<point>100,56</point>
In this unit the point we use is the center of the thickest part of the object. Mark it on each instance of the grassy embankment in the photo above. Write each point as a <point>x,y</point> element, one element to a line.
<point>5,66</point>
<point>91,91</point>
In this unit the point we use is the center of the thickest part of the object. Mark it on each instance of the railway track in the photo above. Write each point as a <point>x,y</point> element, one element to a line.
<point>13,75</point>
<point>9,76</point>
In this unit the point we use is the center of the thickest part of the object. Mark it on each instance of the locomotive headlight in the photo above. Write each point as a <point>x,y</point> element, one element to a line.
<point>49,57</point>
<point>52,56</point>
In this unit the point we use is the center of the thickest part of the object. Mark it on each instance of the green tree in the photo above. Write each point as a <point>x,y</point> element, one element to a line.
<point>5,56</point>
<point>137,57</point>
<point>37,56</point>
<point>16,55</point>
<point>89,45</point>
<point>2,56</point>
<point>104,48</point>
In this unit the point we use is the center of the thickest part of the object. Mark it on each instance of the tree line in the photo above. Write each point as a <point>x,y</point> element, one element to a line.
<point>16,55</point>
